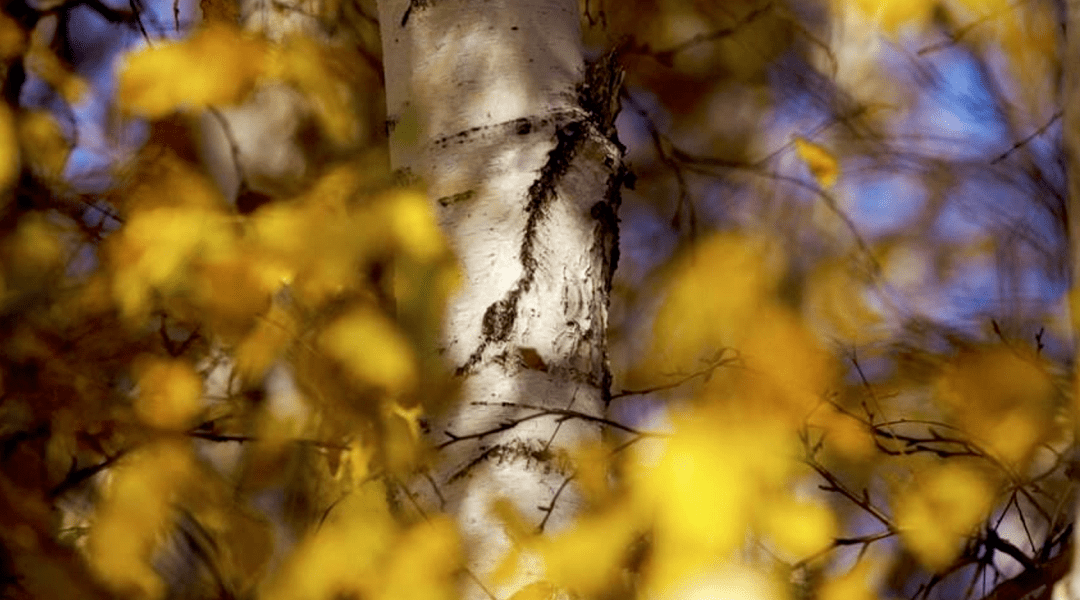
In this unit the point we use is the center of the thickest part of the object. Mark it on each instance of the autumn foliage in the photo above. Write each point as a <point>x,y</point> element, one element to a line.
<point>199,401</point>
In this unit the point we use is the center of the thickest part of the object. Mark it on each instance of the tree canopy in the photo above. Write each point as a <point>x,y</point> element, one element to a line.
<point>841,328</point>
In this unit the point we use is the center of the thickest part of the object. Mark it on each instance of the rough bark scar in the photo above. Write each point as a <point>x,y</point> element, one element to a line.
<point>598,95</point>
<point>417,4</point>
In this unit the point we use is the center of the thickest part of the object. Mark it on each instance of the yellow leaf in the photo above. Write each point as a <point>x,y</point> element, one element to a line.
<point>856,584</point>
<point>799,529</point>
<point>823,165</point>
<point>713,299</point>
<point>412,222</point>
<point>587,557</point>
<point>345,556</point>
<point>9,146</point>
<point>937,513</point>
<point>265,343</point>
<point>423,563</point>
<point>135,510</point>
<point>42,144</point>
<point>35,247</point>
<point>321,73</point>
<point>217,65</point>
<point>372,350</point>
<point>154,250</point>
<point>12,38</point>
<point>705,489</point>
<point>1002,396</point>
<point>170,393</point>
<point>538,590</point>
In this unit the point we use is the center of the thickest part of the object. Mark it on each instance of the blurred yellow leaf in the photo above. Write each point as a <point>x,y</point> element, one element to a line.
<point>939,510</point>
<point>170,393</point>
<point>372,350</point>
<point>586,558</point>
<point>856,584</point>
<point>537,590</point>
<point>216,65</point>
<point>265,343</point>
<point>42,143</point>
<point>799,529</point>
<point>135,510</point>
<point>154,250</point>
<point>9,146</point>
<point>823,165</point>
<point>705,490</point>
<point>12,38</point>
<point>410,217</point>
<point>424,563</point>
<point>712,301</point>
<point>1002,396</point>
<point>893,15</point>
<point>345,556</point>
<point>35,247</point>
<point>319,72</point>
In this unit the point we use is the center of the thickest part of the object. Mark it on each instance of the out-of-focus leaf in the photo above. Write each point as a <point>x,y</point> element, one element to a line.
<point>42,144</point>
<point>372,350</point>
<point>856,584</point>
<point>799,529</point>
<point>423,563</point>
<point>586,558</point>
<point>1001,395</point>
<point>217,65</point>
<point>130,519</point>
<point>712,301</point>
<point>823,165</point>
<point>170,393</point>
<point>345,556</point>
<point>939,510</point>
<point>537,590</point>
<point>12,38</point>
<point>320,73</point>
<point>265,343</point>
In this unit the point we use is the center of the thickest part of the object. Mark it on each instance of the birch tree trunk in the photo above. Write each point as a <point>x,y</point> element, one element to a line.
<point>492,106</point>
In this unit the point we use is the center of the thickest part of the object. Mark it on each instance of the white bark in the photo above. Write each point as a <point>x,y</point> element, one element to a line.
<point>487,107</point>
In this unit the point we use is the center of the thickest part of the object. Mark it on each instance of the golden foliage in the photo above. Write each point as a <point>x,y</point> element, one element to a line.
<point>130,520</point>
<point>217,65</point>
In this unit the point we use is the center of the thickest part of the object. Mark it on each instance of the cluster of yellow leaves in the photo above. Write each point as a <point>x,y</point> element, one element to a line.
<point>220,65</point>
<point>724,295</point>
<point>361,551</point>
<point>133,515</point>
<point>217,65</point>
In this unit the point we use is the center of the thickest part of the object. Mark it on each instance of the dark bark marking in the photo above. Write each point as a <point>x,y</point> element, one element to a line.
<point>499,317</point>
<point>455,198</point>
<point>417,4</point>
